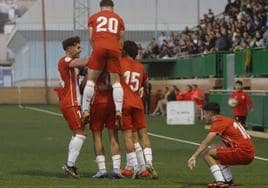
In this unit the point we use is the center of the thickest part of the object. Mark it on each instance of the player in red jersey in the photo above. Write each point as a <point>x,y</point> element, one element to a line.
<point>133,80</point>
<point>238,149</point>
<point>70,99</point>
<point>106,30</point>
<point>102,116</point>
<point>240,111</point>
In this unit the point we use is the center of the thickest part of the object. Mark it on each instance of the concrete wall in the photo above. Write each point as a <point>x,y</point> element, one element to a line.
<point>27,95</point>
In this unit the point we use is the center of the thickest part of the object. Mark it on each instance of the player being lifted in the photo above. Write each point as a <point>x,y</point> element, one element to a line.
<point>106,30</point>
<point>238,149</point>
<point>70,98</point>
<point>133,80</point>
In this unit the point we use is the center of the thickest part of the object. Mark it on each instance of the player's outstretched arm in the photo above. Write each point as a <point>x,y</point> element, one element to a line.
<point>203,146</point>
<point>90,32</point>
<point>122,38</point>
<point>78,63</point>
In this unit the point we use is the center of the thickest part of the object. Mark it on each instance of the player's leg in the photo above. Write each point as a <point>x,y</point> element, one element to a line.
<point>88,93</point>
<point>129,146</point>
<point>141,126</point>
<point>242,120</point>
<point>113,67</point>
<point>215,168</point>
<point>96,125</point>
<point>115,151</point>
<point>127,136</point>
<point>96,65</point>
<point>118,95</point>
<point>72,115</point>
<point>100,157</point>
<point>138,150</point>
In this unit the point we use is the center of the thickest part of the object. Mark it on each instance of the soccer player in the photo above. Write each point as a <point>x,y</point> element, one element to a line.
<point>106,31</point>
<point>70,100</point>
<point>240,111</point>
<point>133,80</point>
<point>102,115</point>
<point>238,149</point>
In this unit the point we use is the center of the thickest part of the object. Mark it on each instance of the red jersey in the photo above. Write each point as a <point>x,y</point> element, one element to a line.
<point>107,26</point>
<point>244,101</point>
<point>69,94</point>
<point>103,96</point>
<point>232,133</point>
<point>184,96</point>
<point>132,80</point>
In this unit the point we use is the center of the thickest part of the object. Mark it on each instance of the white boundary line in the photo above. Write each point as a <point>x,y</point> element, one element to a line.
<point>151,134</point>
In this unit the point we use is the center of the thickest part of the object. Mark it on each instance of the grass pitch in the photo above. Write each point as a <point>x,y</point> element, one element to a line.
<point>33,147</point>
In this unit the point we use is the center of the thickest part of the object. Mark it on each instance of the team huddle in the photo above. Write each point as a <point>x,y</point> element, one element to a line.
<point>110,96</point>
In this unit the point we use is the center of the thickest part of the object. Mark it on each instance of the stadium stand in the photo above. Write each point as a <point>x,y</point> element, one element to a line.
<point>239,26</point>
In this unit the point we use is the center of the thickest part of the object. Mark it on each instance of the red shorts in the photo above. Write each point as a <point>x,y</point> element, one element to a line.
<point>72,115</point>
<point>102,115</point>
<point>105,59</point>
<point>234,156</point>
<point>133,119</point>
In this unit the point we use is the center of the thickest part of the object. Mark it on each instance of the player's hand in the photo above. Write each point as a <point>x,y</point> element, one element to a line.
<point>85,117</point>
<point>192,163</point>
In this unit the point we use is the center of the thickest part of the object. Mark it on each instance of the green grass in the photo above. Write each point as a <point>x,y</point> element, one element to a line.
<point>33,147</point>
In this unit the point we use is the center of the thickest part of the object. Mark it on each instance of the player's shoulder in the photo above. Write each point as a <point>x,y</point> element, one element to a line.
<point>116,14</point>
<point>63,61</point>
<point>139,65</point>
<point>95,15</point>
<point>222,120</point>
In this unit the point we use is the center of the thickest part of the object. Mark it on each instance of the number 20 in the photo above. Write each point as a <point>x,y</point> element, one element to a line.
<point>107,24</point>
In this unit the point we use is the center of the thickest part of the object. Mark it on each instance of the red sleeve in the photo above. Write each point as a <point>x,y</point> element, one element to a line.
<point>90,21</point>
<point>249,102</point>
<point>122,25</point>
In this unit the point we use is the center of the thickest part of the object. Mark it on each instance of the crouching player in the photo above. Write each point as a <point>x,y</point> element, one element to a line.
<point>69,97</point>
<point>133,80</point>
<point>238,149</point>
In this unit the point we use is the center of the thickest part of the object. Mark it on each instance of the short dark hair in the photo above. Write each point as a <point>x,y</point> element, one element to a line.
<point>70,42</point>
<point>212,107</point>
<point>106,3</point>
<point>239,82</point>
<point>130,48</point>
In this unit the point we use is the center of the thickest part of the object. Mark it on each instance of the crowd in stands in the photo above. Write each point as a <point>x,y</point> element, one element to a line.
<point>243,25</point>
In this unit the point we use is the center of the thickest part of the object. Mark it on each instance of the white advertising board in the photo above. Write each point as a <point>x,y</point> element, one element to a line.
<point>181,113</point>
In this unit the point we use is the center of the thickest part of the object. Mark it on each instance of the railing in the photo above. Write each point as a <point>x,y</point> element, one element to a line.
<point>209,65</point>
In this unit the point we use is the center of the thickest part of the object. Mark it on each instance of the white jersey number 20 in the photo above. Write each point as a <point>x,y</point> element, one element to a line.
<point>107,24</point>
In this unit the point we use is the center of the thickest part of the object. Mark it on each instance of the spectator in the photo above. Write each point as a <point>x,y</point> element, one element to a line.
<point>228,7</point>
<point>186,95</point>
<point>174,92</point>
<point>247,58</point>
<point>161,38</point>
<point>257,40</point>
<point>265,39</point>
<point>161,104</point>
<point>242,17</point>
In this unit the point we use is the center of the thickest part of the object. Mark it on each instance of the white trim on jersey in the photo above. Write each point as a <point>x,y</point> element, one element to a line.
<point>71,87</point>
